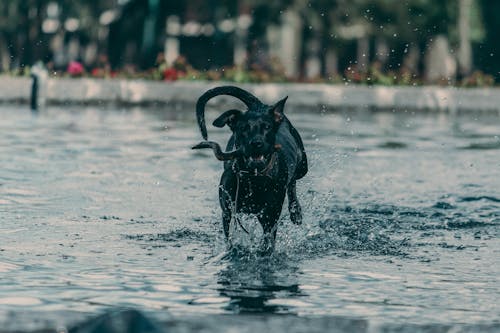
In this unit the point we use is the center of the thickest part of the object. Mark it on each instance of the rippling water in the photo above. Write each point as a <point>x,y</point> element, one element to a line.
<point>105,209</point>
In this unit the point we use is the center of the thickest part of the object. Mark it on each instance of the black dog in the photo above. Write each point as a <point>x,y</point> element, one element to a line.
<point>265,158</point>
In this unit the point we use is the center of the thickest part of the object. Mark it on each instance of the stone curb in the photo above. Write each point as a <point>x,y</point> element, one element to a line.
<point>303,97</point>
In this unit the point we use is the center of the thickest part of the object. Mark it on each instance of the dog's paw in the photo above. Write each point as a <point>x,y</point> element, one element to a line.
<point>295,214</point>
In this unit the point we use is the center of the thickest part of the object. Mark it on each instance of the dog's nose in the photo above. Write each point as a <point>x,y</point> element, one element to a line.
<point>257,144</point>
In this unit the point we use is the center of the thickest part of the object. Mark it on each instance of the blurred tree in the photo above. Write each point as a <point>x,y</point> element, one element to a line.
<point>487,52</point>
<point>27,27</point>
<point>331,34</point>
<point>360,31</point>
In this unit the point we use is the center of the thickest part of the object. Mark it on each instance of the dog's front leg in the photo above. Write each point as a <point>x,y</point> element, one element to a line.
<point>227,194</point>
<point>226,221</point>
<point>269,218</point>
<point>270,228</point>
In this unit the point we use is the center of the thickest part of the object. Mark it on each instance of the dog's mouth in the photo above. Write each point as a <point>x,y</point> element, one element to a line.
<point>257,158</point>
<point>257,163</point>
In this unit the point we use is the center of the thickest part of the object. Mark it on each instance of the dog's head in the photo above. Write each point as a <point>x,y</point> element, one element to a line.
<point>254,130</point>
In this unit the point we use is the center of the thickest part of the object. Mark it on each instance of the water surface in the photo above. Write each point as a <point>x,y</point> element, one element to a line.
<point>103,209</point>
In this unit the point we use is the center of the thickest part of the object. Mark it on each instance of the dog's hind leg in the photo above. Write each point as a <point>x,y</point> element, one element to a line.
<point>293,204</point>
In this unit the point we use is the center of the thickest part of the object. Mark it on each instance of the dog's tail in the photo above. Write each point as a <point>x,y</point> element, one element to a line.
<point>219,154</point>
<point>250,101</point>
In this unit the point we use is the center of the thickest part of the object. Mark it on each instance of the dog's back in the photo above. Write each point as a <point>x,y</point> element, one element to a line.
<point>302,167</point>
<point>292,151</point>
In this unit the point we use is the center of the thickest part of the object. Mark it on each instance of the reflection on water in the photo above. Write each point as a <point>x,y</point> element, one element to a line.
<point>105,209</point>
<point>253,282</point>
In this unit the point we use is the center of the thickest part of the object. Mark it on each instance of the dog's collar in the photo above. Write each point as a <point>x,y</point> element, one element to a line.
<point>266,172</point>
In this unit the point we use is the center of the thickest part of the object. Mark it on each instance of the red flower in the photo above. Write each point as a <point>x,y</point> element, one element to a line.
<point>170,74</point>
<point>97,72</point>
<point>75,68</point>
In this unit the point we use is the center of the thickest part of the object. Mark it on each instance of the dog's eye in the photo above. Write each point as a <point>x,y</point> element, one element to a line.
<point>266,127</point>
<point>244,129</point>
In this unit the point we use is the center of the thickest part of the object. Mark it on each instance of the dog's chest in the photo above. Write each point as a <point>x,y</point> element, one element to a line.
<point>256,193</point>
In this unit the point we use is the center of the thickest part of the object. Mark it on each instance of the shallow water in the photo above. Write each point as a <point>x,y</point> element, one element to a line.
<point>104,209</point>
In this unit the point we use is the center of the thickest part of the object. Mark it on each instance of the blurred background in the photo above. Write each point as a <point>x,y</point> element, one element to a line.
<point>359,41</point>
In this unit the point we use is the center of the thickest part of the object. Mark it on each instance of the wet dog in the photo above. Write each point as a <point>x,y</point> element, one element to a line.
<point>264,158</point>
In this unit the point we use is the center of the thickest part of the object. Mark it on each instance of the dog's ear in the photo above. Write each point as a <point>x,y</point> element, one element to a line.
<point>228,118</point>
<point>278,109</point>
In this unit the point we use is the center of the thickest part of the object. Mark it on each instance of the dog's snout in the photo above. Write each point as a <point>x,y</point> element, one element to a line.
<point>257,143</point>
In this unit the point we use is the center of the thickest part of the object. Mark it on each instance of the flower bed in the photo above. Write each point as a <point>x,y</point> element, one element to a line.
<point>181,70</point>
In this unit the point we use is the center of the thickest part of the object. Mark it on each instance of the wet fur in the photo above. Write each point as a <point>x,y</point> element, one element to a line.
<point>261,195</point>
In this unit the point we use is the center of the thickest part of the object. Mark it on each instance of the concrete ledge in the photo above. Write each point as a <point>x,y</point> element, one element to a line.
<point>303,97</point>
<point>14,89</point>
